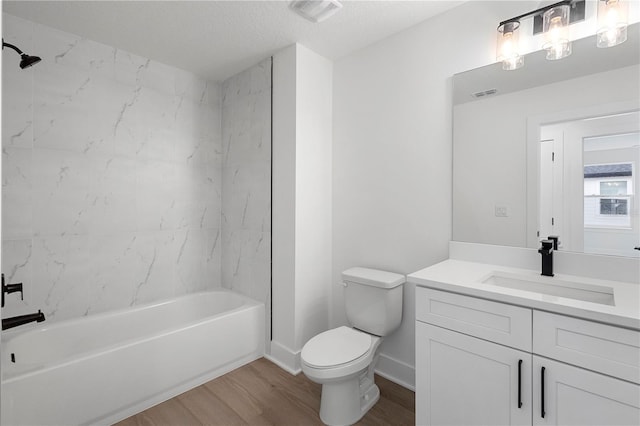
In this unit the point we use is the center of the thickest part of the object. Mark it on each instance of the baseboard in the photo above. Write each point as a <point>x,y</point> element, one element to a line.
<point>387,367</point>
<point>284,358</point>
<point>397,371</point>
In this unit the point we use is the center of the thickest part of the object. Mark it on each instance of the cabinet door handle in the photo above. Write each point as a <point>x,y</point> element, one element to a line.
<point>520,383</point>
<point>542,392</point>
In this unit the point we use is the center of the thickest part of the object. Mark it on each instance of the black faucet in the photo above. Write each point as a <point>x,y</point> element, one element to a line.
<point>555,239</point>
<point>547,257</point>
<point>11,288</point>
<point>22,319</point>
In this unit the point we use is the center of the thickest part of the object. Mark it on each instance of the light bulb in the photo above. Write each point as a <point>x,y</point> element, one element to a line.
<point>508,47</point>
<point>612,22</point>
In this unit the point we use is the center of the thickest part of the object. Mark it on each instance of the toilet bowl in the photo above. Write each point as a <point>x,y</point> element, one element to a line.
<point>343,359</point>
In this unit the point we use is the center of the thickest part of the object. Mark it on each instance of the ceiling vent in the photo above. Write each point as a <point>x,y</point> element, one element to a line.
<point>315,10</point>
<point>484,93</point>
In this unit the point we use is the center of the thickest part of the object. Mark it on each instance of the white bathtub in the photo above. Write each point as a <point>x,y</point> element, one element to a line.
<point>104,368</point>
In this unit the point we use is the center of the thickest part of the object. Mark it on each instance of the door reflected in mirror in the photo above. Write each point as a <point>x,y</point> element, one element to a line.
<point>588,184</point>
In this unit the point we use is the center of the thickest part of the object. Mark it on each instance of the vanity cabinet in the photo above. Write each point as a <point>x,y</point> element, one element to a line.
<point>464,380</point>
<point>575,396</point>
<point>484,362</point>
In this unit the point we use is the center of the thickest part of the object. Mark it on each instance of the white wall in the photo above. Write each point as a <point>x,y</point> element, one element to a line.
<point>282,347</point>
<point>302,102</point>
<point>392,154</point>
<point>313,193</point>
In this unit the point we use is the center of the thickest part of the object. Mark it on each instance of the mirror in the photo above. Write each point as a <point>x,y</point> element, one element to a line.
<point>505,194</point>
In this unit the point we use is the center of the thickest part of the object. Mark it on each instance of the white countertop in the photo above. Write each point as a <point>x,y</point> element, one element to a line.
<point>465,277</point>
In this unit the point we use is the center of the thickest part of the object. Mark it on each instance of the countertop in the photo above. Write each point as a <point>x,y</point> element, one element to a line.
<point>465,277</point>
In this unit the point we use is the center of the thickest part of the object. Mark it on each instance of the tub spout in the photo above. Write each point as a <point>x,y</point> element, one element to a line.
<point>22,319</point>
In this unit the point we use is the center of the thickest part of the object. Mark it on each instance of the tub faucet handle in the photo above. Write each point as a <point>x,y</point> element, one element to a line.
<point>11,288</point>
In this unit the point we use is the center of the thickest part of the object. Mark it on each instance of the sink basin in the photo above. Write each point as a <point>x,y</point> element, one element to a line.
<point>552,286</point>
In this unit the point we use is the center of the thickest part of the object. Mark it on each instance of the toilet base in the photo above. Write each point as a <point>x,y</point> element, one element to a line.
<point>346,402</point>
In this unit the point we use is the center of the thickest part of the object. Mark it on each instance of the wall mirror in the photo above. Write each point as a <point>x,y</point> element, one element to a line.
<point>551,148</point>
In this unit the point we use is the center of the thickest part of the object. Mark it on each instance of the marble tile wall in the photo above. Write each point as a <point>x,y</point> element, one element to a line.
<point>112,178</point>
<point>246,182</point>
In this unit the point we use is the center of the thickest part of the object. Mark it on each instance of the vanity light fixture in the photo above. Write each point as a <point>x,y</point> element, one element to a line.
<point>612,22</point>
<point>553,21</point>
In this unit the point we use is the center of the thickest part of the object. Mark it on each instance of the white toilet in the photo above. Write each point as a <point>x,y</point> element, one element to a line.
<point>343,359</point>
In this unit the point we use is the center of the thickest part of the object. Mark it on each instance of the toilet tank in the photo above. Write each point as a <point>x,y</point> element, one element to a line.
<point>373,299</point>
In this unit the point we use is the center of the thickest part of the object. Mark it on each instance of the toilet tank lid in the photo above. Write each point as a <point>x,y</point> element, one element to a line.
<point>373,277</point>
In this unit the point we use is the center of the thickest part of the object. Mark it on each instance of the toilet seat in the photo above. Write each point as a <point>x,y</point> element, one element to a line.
<point>336,347</point>
<point>339,353</point>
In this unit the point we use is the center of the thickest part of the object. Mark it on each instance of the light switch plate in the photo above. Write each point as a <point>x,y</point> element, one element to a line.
<point>502,211</point>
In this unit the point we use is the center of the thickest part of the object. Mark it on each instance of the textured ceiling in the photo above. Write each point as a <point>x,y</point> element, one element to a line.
<point>217,39</point>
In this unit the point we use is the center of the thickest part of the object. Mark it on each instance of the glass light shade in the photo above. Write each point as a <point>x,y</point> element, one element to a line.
<point>612,22</point>
<point>508,49</point>
<point>555,25</point>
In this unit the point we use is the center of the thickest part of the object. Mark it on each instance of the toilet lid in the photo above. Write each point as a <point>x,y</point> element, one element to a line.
<point>334,347</point>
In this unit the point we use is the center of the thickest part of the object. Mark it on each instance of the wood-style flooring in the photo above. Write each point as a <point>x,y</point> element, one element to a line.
<point>261,393</point>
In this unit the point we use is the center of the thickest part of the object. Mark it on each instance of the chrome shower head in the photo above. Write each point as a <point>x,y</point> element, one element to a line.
<point>26,60</point>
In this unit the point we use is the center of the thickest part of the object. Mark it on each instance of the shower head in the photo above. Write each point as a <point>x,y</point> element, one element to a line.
<point>26,60</point>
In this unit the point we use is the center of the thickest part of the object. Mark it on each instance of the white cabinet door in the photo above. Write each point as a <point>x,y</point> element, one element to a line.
<point>463,380</point>
<point>574,396</point>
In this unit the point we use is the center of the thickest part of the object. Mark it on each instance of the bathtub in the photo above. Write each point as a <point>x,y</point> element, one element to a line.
<point>103,368</point>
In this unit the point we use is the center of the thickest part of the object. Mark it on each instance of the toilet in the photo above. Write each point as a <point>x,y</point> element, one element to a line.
<point>343,359</point>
